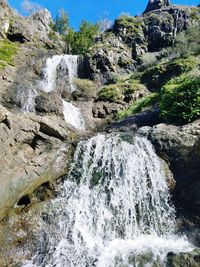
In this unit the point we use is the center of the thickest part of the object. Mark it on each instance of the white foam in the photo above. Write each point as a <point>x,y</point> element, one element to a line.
<point>73,115</point>
<point>159,246</point>
<point>50,73</point>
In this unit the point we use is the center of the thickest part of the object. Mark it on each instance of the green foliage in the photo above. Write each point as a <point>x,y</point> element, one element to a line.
<point>85,88</point>
<point>61,23</point>
<point>52,35</point>
<point>110,93</point>
<point>80,42</point>
<point>7,51</point>
<point>180,100</point>
<point>133,24</point>
<point>188,42</point>
<point>155,77</point>
<point>121,90</point>
<point>139,105</point>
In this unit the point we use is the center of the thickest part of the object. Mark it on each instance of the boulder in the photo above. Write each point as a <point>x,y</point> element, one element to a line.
<point>34,150</point>
<point>146,118</point>
<point>36,26</point>
<point>180,147</point>
<point>49,103</point>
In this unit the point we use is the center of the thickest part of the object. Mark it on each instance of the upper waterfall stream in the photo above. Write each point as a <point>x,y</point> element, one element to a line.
<point>54,65</point>
<point>57,67</point>
<point>113,209</point>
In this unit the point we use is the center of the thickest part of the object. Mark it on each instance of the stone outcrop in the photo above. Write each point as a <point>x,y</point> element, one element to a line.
<point>180,147</point>
<point>156,4</point>
<point>107,57</point>
<point>5,13</point>
<point>34,150</point>
<point>120,49</point>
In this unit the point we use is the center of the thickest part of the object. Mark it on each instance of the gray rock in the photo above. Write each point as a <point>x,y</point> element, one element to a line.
<point>33,150</point>
<point>180,147</point>
<point>106,58</point>
<point>49,103</point>
<point>156,4</point>
<point>147,118</point>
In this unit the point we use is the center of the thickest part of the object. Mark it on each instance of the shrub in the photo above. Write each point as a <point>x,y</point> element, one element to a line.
<point>188,42</point>
<point>180,100</point>
<point>110,93</point>
<point>7,51</point>
<point>85,88</point>
<point>155,77</point>
<point>139,105</point>
<point>120,91</point>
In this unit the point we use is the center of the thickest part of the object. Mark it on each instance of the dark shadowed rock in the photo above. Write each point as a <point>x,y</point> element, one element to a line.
<point>156,4</point>
<point>180,147</point>
<point>147,118</point>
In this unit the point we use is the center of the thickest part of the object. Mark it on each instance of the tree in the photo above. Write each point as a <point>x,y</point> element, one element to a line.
<point>104,22</point>
<point>30,7</point>
<point>61,23</point>
<point>79,42</point>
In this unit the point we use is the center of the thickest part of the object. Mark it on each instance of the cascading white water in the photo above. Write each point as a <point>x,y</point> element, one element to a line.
<point>27,99</point>
<point>50,73</point>
<point>73,115</point>
<point>113,208</point>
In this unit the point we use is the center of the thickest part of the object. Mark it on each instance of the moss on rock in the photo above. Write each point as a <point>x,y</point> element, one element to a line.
<point>7,52</point>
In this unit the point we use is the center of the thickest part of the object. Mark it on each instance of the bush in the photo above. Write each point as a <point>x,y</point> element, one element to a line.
<point>188,42</point>
<point>110,93</point>
<point>180,100</point>
<point>123,90</point>
<point>139,105</point>
<point>85,88</point>
<point>155,77</point>
<point>7,51</point>
<point>133,24</point>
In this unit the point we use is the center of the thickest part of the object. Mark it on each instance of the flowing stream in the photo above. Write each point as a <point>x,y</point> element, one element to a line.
<point>113,210</point>
<point>51,71</point>
<point>67,67</point>
<point>55,65</point>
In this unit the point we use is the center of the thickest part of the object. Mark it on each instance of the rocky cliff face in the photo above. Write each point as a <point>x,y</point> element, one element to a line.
<point>121,49</point>
<point>36,147</point>
<point>156,4</point>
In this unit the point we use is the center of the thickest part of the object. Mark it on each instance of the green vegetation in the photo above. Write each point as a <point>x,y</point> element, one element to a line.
<point>61,23</point>
<point>110,93</point>
<point>155,77</point>
<point>80,42</point>
<point>7,52</point>
<point>187,42</point>
<point>180,100</point>
<point>139,105</point>
<point>85,88</point>
<point>120,91</point>
<point>133,24</point>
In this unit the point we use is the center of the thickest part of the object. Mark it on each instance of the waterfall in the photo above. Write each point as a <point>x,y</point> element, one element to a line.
<point>112,210</point>
<point>50,73</point>
<point>73,115</point>
<point>67,63</point>
<point>25,98</point>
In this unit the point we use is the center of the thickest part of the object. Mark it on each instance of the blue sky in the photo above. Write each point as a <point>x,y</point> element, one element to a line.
<point>91,10</point>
